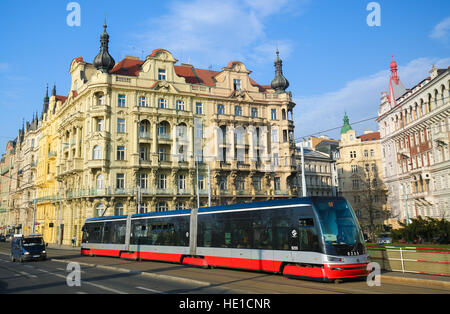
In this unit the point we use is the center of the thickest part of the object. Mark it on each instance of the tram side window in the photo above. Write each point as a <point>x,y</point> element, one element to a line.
<point>211,231</point>
<point>262,231</point>
<point>241,231</point>
<point>308,239</point>
<point>282,233</point>
<point>93,233</point>
<point>118,230</point>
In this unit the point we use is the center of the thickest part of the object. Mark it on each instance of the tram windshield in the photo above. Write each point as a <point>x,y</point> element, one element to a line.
<point>341,232</point>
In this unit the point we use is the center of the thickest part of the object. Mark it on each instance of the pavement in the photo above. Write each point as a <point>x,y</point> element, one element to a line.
<point>387,276</point>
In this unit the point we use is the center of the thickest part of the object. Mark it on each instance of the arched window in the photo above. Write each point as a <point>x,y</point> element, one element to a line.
<point>100,182</point>
<point>164,129</point>
<point>118,210</point>
<point>100,210</point>
<point>144,129</point>
<point>97,153</point>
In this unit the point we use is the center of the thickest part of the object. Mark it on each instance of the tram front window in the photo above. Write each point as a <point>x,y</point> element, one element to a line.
<point>341,232</point>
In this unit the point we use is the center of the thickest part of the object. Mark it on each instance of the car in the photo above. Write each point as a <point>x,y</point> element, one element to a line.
<point>28,248</point>
<point>384,240</point>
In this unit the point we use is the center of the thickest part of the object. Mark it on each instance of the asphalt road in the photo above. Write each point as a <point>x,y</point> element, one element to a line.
<point>103,275</point>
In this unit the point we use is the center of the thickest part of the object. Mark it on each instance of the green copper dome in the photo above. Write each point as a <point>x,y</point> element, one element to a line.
<point>346,127</point>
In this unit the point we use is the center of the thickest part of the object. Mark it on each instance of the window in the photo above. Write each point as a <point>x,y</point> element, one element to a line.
<point>199,108</point>
<point>162,103</point>
<point>201,182</point>
<point>143,180</point>
<point>143,153</point>
<point>120,152</point>
<point>237,84</point>
<point>97,153</point>
<point>273,114</point>
<point>240,183</point>
<point>120,125</point>
<point>237,110</point>
<point>372,153</point>
<point>143,101</point>
<point>274,136</point>
<point>162,182</point>
<point>355,184</point>
<point>220,109</point>
<point>181,182</point>
<point>161,74</point>
<point>162,207</point>
<point>163,129</point>
<point>163,154</point>
<point>254,112</point>
<point>276,183</point>
<point>354,169</point>
<point>121,101</point>
<point>144,129</point>
<point>180,105</point>
<point>180,206</point>
<point>118,210</point>
<point>366,153</point>
<point>100,182</point>
<point>353,154</point>
<point>100,210</point>
<point>120,181</point>
<point>100,124</point>
<point>223,183</point>
<point>257,183</point>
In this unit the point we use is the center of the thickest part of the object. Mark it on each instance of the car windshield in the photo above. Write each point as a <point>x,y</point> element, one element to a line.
<point>32,241</point>
<point>341,232</point>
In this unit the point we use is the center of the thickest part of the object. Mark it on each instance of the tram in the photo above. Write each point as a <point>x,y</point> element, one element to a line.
<point>309,238</point>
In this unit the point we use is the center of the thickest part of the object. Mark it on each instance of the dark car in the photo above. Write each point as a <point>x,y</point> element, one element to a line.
<point>28,248</point>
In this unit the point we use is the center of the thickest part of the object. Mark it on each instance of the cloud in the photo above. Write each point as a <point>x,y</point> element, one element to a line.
<point>360,98</point>
<point>442,30</point>
<point>214,32</point>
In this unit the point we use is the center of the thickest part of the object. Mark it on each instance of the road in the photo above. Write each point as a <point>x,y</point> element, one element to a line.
<point>103,275</point>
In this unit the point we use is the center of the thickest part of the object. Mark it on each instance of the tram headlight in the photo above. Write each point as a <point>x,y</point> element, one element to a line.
<point>334,259</point>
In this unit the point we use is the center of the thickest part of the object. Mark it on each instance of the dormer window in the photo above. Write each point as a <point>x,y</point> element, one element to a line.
<point>161,74</point>
<point>237,85</point>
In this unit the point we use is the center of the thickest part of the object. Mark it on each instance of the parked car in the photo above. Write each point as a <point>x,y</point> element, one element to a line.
<point>384,240</point>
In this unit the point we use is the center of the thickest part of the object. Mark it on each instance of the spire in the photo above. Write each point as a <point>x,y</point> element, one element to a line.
<point>394,70</point>
<point>103,61</point>
<point>346,127</point>
<point>46,102</point>
<point>46,99</point>
<point>54,90</point>
<point>279,83</point>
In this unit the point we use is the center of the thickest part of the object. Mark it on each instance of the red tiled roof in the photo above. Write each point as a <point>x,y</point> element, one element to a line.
<point>128,67</point>
<point>370,137</point>
<point>61,98</point>
<point>132,67</point>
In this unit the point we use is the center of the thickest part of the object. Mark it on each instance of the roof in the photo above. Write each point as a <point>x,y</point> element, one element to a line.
<point>132,67</point>
<point>369,137</point>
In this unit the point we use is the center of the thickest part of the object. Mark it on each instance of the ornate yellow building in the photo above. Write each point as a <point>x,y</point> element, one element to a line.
<point>151,135</point>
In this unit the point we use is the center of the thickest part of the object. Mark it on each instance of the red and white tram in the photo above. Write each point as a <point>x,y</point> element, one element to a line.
<point>313,237</point>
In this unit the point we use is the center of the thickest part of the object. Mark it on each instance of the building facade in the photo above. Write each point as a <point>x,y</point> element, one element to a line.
<point>414,127</point>
<point>151,135</point>
<point>360,180</point>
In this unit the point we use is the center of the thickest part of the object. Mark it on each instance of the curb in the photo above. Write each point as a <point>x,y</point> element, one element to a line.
<point>423,282</point>
<point>142,273</point>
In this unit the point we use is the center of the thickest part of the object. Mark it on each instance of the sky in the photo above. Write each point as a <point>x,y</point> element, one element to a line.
<point>336,60</point>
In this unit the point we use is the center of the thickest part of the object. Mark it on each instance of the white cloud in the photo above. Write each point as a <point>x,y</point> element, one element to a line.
<point>215,32</point>
<point>442,30</point>
<point>360,98</point>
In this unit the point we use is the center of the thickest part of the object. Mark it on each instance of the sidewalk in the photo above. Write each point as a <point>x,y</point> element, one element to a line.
<point>415,278</point>
<point>63,247</point>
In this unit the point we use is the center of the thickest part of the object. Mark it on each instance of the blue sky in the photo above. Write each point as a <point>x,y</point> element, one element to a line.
<point>333,60</point>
